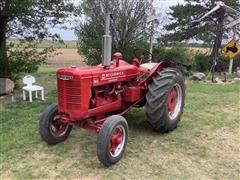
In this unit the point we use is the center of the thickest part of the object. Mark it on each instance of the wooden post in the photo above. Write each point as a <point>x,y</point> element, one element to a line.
<point>231,60</point>
<point>151,40</point>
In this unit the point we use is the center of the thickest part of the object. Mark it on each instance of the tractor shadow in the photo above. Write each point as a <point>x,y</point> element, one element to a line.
<point>138,124</point>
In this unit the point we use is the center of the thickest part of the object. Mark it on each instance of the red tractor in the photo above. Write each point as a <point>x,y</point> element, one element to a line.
<point>96,97</point>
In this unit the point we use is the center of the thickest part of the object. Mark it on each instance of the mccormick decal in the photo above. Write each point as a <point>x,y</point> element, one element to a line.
<point>65,77</point>
<point>111,75</point>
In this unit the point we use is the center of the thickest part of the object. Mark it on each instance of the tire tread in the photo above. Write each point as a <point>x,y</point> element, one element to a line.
<point>156,112</point>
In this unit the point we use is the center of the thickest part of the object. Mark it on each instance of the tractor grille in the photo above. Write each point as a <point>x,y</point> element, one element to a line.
<point>69,95</point>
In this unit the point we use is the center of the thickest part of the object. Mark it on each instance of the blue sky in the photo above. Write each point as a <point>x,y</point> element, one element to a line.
<point>65,34</point>
<point>160,5</point>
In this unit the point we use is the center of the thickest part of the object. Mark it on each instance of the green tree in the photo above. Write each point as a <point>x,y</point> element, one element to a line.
<point>210,29</point>
<point>29,21</point>
<point>128,27</point>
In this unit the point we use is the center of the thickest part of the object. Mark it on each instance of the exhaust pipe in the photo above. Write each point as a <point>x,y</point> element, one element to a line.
<point>107,44</point>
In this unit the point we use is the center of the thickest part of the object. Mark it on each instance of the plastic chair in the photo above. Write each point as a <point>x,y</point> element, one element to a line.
<point>30,88</point>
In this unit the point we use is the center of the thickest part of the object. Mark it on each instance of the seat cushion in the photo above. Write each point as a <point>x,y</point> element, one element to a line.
<point>33,88</point>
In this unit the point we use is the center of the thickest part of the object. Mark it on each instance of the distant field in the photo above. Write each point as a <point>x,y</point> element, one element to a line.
<point>194,50</point>
<point>69,56</point>
<point>67,45</point>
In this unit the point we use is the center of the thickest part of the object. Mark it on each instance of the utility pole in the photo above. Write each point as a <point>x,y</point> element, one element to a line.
<point>231,60</point>
<point>151,38</point>
<point>152,19</point>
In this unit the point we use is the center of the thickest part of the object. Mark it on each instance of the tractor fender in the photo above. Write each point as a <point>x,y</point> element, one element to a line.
<point>152,68</point>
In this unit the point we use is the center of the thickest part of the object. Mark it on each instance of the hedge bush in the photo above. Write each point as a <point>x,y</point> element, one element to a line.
<point>177,53</point>
<point>24,57</point>
<point>201,62</point>
<point>159,52</point>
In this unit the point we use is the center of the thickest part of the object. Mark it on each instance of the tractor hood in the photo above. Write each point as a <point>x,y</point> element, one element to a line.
<point>98,74</point>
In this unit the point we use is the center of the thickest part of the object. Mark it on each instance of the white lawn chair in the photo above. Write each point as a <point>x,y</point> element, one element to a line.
<point>30,88</point>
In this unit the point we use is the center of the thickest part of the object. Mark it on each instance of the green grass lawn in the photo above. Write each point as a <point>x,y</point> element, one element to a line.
<point>205,145</point>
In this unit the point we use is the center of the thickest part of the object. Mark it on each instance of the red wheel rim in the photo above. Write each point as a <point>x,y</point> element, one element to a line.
<point>117,141</point>
<point>57,127</point>
<point>174,101</point>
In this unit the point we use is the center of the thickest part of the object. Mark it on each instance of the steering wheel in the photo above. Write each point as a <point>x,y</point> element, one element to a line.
<point>143,55</point>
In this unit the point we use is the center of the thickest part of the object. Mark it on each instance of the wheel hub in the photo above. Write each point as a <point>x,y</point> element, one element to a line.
<point>117,141</point>
<point>172,100</point>
<point>58,127</point>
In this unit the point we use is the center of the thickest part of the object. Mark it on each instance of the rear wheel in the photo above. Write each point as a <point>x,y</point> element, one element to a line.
<point>112,140</point>
<point>165,100</point>
<point>51,128</point>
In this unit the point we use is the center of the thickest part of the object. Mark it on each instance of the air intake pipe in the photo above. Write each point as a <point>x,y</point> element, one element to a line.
<point>107,43</point>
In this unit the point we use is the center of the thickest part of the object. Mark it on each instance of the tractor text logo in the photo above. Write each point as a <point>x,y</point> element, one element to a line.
<point>110,75</point>
<point>64,77</point>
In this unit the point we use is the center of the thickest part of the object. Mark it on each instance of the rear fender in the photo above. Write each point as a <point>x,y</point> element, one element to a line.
<point>152,70</point>
<point>158,67</point>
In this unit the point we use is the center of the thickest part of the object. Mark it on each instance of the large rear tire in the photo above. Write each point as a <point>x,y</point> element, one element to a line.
<point>165,100</point>
<point>51,128</point>
<point>112,140</point>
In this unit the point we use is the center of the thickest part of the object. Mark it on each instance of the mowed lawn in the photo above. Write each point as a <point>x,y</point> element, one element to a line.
<point>205,145</point>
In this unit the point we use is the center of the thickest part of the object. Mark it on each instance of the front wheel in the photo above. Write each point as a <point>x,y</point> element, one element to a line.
<point>51,128</point>
<point>165,100</point>
<point>112,140</point>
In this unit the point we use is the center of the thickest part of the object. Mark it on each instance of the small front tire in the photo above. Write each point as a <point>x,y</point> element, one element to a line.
<point>112,140</point>
<point>51,129</point>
